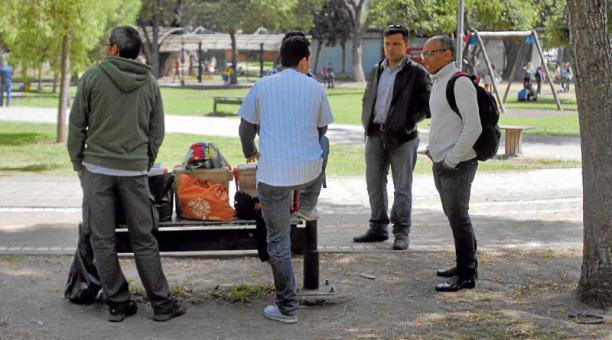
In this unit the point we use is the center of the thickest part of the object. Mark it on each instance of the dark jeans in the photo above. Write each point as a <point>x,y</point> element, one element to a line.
<point>454,186</point>
<point>100,195</point>
<point>401,159</point>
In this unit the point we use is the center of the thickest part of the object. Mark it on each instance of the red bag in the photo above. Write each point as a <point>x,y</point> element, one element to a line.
<point>202,199</point>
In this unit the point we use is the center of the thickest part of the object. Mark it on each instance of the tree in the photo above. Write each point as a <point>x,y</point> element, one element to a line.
<point>592,50</point>
<point>332,25</point>
<point>45,29</point>
<point>156,14</point>
<point>360,19</point>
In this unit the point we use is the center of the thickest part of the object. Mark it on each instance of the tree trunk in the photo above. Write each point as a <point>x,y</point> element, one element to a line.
<point>316,64</point>
<point>357,8</point>
<point>64,90</point>
<point>39,85</point>
<point>54,87</point>
<point>234,78</point>
<point>357,52</point>
<point>343,57</point>
<point>592,55</point>
<point>154,62</point>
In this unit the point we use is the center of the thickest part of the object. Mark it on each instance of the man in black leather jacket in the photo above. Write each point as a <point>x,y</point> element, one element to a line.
<point>395,100</point>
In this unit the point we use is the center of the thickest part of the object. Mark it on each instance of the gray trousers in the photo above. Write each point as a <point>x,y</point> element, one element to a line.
<point>454,187</point>
<point>402,159</point>
<point>100,196</point>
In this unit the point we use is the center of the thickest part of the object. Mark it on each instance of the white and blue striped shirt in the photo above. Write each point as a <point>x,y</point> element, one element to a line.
<point>288,107</point>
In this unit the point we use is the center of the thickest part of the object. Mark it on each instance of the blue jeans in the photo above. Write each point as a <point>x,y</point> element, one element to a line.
<point>402,159</point>
<point>6,87</point>
<point>275,207</point>
<point>454,187</point>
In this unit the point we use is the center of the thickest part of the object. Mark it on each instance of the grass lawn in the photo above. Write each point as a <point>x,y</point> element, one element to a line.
<point>31,148</point>
<point>543,103</point>
<point>345,103</point>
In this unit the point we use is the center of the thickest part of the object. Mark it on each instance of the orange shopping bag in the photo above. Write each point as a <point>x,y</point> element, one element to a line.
<point>202,199</point>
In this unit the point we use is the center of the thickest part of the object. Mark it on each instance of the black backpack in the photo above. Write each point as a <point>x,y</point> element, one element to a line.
<point>488,142</point>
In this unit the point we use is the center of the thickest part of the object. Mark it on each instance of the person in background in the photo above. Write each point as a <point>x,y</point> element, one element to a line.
<point>6,83</point>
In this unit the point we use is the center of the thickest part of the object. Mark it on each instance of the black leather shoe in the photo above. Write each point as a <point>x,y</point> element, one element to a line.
<point>178,308</point>
<point>449,272</point>
<point>119,312</point>
<point>371,236</point>
<point>456,283</point>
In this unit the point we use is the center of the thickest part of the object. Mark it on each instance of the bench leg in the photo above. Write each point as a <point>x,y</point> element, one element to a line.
<point>311,257</point>
<point>215,107</point>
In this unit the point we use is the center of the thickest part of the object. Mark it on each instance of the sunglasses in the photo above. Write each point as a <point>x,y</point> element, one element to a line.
<point>395,26</point>
<point>427,54</point>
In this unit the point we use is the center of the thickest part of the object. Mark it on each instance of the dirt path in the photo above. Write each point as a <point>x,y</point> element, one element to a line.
<point>519,295</point>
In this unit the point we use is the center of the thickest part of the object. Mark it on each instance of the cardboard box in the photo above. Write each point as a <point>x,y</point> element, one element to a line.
<point>246,178</point>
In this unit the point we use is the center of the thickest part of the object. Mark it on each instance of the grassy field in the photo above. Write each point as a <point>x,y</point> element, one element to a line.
<point>346,105</point>
<point>31,148</point>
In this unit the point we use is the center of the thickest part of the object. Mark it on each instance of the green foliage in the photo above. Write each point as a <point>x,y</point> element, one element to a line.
<point>422,17</point>
<point>248,15</point>
<point>556,23</point>
<point>35,28</point>
<point>333,23</point>
<point>429,17</point>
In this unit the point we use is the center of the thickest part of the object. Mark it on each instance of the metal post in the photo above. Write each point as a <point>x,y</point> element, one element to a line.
<point>459,36</point>
<point>261,60</point>
<point>311,257</point>
<point>200,62</point>
<point>552,87</point>
<point>490,69</point>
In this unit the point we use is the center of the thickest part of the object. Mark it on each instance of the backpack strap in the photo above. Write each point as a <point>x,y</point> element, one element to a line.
<point>450,90</point>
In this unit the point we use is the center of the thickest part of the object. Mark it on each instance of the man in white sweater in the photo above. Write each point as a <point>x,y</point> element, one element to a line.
<point>451,139</point>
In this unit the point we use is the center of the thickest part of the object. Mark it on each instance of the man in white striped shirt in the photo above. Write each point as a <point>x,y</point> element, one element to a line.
<point>291,112</point>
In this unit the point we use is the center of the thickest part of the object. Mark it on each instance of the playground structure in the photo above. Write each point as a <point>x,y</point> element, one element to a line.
<point>530,37</point>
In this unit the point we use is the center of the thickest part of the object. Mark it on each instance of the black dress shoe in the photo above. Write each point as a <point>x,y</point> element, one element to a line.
<point>449,272</point>
<point>456,283</point>
<point>371,236</point>
<point>120,311</point>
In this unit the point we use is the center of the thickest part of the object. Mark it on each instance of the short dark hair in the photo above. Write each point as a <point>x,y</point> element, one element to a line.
<point>395,29</point>
<point>293,34</point>
<point>127,40</point>
<point>446,43</point>
<point>293,50</point>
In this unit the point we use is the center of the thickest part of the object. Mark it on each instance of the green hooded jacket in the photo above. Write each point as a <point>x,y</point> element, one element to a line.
<point>117,118</point>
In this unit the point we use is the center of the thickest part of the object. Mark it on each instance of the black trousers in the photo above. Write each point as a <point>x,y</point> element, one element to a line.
<point>454,187</point>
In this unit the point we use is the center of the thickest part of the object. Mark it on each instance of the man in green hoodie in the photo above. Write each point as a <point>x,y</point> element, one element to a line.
<point>116,127</point>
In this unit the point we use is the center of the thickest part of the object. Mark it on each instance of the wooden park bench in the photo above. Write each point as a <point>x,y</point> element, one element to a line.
<point>232,100</point>
<point>513,139</point>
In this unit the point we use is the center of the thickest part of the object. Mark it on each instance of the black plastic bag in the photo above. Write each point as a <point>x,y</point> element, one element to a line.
<point>246,209</point>
<point>83,285</point>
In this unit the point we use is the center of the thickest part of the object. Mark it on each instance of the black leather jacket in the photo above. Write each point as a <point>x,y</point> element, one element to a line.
<point>409,102</point>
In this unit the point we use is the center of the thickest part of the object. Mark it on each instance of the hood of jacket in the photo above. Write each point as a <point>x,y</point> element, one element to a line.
<point>126,74</point>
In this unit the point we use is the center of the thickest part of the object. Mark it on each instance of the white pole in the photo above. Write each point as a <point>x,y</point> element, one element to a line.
<point>459,36</point>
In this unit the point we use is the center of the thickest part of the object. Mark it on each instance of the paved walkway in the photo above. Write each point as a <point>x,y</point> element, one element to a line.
<point>39,214</point>
<point>537,147</point>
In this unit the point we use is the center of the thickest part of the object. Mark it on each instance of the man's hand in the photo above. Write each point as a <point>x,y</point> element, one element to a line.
<point>428,154</point>
<point>253,159</point>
